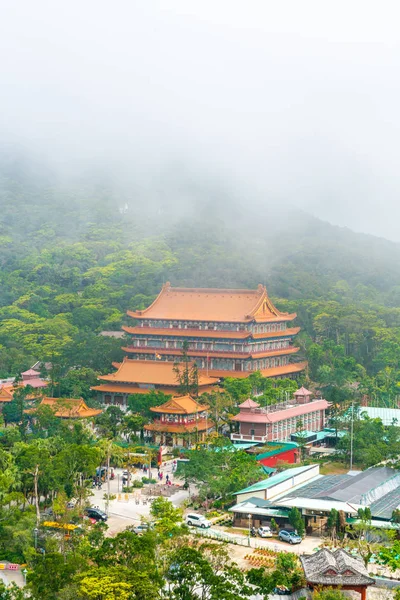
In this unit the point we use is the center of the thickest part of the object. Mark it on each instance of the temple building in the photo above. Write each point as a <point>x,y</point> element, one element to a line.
<point>280,421</point>
<point>29,377</point>
<point>181,421</point>
<point>67,408</point>
<point>6,392</point>
<point>140,377</point>
<point>337,570</point>
<point>33,378</point>
<point>229,333</point>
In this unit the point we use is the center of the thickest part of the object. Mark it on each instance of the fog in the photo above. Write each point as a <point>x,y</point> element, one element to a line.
<point>290,102</point>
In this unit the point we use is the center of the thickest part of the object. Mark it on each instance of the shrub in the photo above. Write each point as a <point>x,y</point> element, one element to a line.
<point>147,480</point>
<point>137,484</point>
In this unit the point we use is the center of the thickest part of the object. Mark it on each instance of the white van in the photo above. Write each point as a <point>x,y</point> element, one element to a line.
<point>197,521</point>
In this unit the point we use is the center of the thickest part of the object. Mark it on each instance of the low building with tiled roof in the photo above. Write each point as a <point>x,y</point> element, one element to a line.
<point>67,408</point>
<point>337,569</point>
<point>181,421</point>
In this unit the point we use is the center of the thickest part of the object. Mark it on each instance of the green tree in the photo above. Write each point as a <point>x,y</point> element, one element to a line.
<point>186,374</point>
<point>296,520</point>
<point>329,594</point>
<point>207,570</point>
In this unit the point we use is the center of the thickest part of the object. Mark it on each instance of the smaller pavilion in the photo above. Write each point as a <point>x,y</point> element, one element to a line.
<point>32,378</point>
<point>181,421</point>
<point>67,408</point>
<point>337,569</point>
<point>302,395</point>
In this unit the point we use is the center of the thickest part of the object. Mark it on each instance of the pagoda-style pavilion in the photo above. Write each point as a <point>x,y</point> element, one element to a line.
<point>67,408</point>
<point>32,378</point>
<point>229,333</point>
<point>142,376</point>
<point>336,570</point>
<point>181,421</point>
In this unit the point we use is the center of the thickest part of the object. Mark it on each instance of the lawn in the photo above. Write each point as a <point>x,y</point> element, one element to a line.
<point>333,468</point>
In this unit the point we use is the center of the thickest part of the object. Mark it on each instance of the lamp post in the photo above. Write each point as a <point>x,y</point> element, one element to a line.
<point>35,533</point>
<point>248,539</point>
<point>24,573</point>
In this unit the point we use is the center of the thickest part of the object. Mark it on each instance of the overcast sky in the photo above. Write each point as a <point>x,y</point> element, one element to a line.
<point>296,101</point>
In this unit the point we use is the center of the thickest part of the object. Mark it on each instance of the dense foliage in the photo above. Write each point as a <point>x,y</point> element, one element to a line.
<point>74,258</point>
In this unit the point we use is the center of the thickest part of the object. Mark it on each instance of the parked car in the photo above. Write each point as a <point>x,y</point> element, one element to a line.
<point>141,529</point>
<point>96,514</point>
<point>282,590</point>
<point>197,521</point>
<point>264,531</point>
<point>72,503</point>
<point>289,536</point>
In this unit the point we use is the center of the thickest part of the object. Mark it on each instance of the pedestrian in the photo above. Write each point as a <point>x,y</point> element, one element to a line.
<point>167,478</point>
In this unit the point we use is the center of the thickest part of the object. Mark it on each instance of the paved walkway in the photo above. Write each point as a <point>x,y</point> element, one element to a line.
<point>12,576</point>
<point>125,510</point>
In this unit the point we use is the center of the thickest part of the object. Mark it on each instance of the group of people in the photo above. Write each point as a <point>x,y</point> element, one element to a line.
<point>97,482</point>
<point>160,476</point>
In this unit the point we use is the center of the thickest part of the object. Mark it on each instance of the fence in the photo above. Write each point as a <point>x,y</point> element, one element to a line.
<point>239,540</point>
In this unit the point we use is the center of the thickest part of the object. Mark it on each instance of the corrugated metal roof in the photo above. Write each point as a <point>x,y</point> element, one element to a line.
<point>319,487</point>
<point>386,415</point>
<point>318,504</point>
<point>385,506</point>
<point>356,487</point>
<point>275,479</point>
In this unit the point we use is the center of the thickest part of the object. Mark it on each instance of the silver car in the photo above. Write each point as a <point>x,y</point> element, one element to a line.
<point>289,536</point>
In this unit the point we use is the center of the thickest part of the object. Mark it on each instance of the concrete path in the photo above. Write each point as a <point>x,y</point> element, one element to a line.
<point>125,510</point>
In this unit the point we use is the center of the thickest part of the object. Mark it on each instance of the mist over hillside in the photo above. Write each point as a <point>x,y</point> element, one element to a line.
<point>217,235</point>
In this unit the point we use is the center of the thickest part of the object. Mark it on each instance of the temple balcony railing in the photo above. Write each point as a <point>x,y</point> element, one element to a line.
<point>210,351</point>
<point>202,351</point>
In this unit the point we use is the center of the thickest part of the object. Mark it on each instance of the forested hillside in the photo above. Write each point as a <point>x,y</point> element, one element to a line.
<point>75,254</point>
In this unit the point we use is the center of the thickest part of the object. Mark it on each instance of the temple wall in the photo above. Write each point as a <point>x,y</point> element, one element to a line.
<point>259,428</point>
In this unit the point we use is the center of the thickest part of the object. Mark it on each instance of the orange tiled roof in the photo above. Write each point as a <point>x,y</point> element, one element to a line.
<point>149,371</point>
<point>272,372</point>
<point>208,304</point>
<point>114,388</point>
<point>180,405</point>
<point>209,333</point>
<point>67,408</point>
<point>200,425</point>
<point>6,393</point>
<point>212,353</point>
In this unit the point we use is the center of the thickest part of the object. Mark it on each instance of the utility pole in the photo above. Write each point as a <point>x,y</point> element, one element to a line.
<point>351,435</point>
